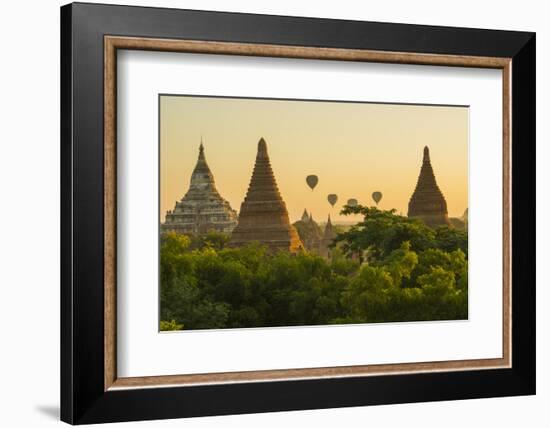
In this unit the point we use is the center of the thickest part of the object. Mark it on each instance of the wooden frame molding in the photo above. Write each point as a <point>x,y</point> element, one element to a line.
<point>113,43</point>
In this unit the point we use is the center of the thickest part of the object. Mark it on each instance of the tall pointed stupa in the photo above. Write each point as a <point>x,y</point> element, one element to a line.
<point>202,209</point>
<point>427,202</point>
<point>263,216</point>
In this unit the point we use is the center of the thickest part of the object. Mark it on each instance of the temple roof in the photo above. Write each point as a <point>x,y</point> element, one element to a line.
<point>202,208</point>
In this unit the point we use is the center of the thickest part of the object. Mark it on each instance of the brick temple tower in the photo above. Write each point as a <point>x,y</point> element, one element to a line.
<point>202,209</point>
<point>427,202</point>
<point>263,216</point>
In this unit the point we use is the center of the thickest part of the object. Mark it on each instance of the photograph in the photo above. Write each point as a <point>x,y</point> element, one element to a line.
<point>291,212</point>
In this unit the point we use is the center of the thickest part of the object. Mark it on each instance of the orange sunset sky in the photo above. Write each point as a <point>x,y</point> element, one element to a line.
<point>354,149</point>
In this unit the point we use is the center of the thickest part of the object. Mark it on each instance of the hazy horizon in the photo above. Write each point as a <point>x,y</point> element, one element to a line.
<point>354,149</point>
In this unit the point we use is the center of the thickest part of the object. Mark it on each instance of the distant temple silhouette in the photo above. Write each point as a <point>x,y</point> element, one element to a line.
<point>315,240</point>
<point>263,216</point>
<point>202,209</point>
<point>309,232</point>
<point>327,239</point>
<point>427,202</point>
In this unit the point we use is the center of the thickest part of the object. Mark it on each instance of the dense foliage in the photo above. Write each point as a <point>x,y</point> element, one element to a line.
<point>386,268</point>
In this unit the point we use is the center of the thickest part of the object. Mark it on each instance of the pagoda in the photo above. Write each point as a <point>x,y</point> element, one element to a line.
<point>263,216</point>
<point>328,236</point>
<point>309,232</point>
<point>202,209</point>
<point>427,202</point>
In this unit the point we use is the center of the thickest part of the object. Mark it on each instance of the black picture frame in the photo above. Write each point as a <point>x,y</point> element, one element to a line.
<point>83,398</point>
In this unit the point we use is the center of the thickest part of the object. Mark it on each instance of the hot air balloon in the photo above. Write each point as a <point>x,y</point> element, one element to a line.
<point>332,198</point>
<point>352,202</point>
<point>312,181</point>
<point>377,196</point>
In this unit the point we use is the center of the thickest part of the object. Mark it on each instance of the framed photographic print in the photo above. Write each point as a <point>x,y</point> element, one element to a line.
<point>266,213</point>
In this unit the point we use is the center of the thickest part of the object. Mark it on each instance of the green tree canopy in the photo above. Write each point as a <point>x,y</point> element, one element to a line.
<point>386,268</point>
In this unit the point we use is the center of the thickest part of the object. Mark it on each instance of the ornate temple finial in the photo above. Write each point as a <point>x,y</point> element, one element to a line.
<point>201,150</point>
<point>328,221</point>
<point>202,176</point>
<point>305,216</point>
<point>262,149</point>
<point>426,154</point>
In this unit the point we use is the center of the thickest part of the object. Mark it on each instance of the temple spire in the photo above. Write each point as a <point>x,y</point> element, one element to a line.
<point>328,237</point>
<point>427,202</point>
<point>202,177</point>
<point>263,216</point>
<point>201,151</point>
<point>426,155</point>
<point>329,231</point>
<point>262,150</point>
